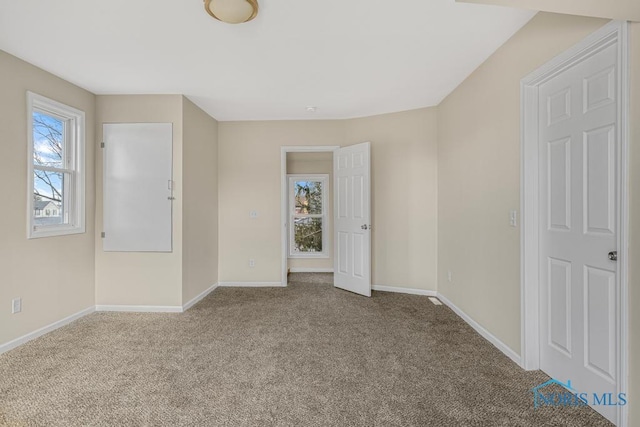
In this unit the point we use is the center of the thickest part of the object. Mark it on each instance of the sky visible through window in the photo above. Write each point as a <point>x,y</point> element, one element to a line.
<point>308,195</point>
<point>48,148</point>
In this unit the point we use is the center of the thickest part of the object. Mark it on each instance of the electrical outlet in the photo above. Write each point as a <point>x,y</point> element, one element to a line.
<point>253,214</point>
<point>16,305</point>
<point>252,263</point>
<point>449,276</point>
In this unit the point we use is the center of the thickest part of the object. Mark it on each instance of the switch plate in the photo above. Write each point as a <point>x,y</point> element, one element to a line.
<point>16,305</point>
<point>252,263</point>
<point>449,276</point>
<point>253,214</point>
<point>513,218</point>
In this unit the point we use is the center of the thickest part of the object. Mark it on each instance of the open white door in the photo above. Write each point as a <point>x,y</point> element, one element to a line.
<point>352,218</point>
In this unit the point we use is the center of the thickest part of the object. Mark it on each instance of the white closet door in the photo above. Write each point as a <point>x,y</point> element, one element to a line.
<point>137,187</point>
<point>578,235</point>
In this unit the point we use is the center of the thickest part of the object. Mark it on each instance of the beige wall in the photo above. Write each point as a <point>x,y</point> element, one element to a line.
<point>315,163</point>
<point>404,195</point>
<point>200,204</point>
<point>126,278</point>
<point>249,179</point>
<point>626,10</point>
<point>54,276</point>
<point>479,182</point>
<point>404,186</point>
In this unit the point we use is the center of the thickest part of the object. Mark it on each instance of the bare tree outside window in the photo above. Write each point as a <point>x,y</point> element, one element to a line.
<point>56,168</point>
<point>48,158</point>
<point>307,226</point>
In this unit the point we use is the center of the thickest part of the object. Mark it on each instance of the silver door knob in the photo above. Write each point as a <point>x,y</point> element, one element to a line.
<point>613,255</point>
<point>365,227</point>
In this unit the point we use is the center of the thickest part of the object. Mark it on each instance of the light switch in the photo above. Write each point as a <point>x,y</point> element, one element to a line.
<point>16,305</point>
<point>513,218</point>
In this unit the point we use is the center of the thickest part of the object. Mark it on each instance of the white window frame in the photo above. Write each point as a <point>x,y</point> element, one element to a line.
<point>324,179</point>
<point>74,165</point>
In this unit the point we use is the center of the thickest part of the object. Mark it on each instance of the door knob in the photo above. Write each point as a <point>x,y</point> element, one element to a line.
<point>365,227</point>
<point>613,255</point>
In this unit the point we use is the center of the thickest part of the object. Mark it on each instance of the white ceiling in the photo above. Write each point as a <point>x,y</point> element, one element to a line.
<point>349,58</point>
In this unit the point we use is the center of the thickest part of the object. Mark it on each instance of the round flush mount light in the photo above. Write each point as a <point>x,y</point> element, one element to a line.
<point>311,109</point>
<point>232,11</point>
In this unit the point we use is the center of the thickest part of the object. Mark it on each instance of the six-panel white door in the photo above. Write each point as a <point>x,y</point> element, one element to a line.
<point>352,227</point>
<point>578,177</point>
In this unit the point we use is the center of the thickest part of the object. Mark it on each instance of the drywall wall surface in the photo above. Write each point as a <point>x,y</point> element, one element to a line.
<point>249,165</point>
<point>479,175</point>
<point>200,201</point>
<point>404,200</point>
<point>404,196</point>
<point>54,276</point>
<point>136,278</point>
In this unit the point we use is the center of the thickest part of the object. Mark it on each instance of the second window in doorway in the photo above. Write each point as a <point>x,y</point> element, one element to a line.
<point>308,216</point>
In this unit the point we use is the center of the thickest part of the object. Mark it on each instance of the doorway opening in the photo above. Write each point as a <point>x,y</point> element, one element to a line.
<point>307,219</point>
<point>309,169</point>
<point>310,212</point>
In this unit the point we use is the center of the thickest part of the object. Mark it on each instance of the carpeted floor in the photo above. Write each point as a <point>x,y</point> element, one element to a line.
<point>306,355</point>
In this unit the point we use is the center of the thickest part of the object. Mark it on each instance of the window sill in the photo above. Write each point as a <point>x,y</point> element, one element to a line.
<point>55,232</point>
<point>310,255</point>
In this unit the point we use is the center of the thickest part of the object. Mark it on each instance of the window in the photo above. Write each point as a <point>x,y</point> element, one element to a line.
<point>56,168</point>
<point>308,216</point>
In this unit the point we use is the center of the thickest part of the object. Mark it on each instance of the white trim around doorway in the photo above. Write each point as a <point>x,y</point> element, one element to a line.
<point>284,195</point>
<point>615,32</point>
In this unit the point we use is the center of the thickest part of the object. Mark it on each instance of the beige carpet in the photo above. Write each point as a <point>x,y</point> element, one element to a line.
<point>306,355</point>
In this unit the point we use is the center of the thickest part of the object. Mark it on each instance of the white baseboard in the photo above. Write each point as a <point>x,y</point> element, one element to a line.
<point>483,332</point>
<point>141,308</point>
<point>310,270</point>
<point>44,330</point>
<point>197,299</point>
<point>252,285</point>
<point>411,291</point>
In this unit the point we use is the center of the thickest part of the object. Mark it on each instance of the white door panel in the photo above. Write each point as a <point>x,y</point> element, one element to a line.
<point>352,270</point>
<point>578,150</point>
<point>560,305</point>
<point>137,187</point>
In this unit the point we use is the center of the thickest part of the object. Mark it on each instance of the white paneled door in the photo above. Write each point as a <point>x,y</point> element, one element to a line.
<point>352,229</point>
<point>579,143</point>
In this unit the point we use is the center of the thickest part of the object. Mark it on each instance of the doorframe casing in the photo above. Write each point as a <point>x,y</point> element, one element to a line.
<point>284,196</point>
<point>615,32</point>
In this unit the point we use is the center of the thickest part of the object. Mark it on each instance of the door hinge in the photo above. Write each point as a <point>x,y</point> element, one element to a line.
<point>102,145</point>
<point>103,234</point>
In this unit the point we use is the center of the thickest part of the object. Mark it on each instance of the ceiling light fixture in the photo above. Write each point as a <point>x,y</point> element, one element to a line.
<point>232,11</point>
<point>312,109</point>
